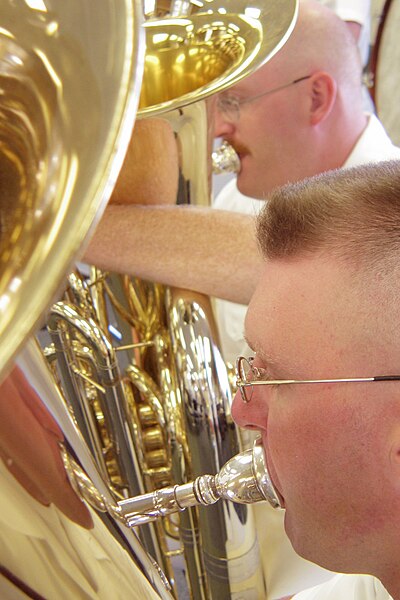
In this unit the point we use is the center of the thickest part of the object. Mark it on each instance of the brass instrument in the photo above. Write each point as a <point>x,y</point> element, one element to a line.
<point>225,160</point>
<point>53,185</point>
<point>70,76</point>
<point>244,479</point>
<point>139,363</point>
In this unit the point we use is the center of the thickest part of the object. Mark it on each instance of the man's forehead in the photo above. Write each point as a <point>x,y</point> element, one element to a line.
<point>269,346</point>
<point>260,315</point>
<point>292,293</point>
<point>256,80</point>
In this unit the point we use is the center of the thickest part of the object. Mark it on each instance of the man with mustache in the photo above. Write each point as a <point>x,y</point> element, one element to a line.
<point>318,125</point>
<point>263,118</point>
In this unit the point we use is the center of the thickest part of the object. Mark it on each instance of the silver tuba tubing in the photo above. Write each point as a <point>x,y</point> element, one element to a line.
<point>80,347</point>
<point>97,494</point>
<point>244,479</point>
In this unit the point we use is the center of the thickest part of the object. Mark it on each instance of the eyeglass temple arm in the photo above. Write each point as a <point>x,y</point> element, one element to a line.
<point>241,383</point>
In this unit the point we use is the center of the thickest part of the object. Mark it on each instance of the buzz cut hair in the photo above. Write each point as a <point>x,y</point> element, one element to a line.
<point>352,215</point>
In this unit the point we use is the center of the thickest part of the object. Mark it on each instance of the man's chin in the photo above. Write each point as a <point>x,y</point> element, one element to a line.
<point>248,184</point>
<point>308,545</point>
<point>245,188</point>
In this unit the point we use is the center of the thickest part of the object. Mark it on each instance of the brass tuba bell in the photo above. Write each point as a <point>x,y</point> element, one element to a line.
<point>69,87</point>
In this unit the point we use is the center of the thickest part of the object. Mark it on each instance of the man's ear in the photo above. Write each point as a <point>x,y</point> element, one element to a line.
<point>323,90</point>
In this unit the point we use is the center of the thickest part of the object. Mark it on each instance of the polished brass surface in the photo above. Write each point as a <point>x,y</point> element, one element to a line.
<point>63,73</point>
<point>70,75</point>
<point>201,47</point>
<point>158,398</point>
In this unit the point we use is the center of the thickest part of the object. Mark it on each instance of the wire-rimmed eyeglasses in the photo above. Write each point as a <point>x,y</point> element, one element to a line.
<point>229,105</point>
<point>247,376</point>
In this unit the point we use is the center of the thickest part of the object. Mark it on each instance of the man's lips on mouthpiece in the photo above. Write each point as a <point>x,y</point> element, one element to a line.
<point>271,473</point>
<point>281,498</point>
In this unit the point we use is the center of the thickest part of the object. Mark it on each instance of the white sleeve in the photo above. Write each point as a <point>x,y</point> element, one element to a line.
<point>351,587</point>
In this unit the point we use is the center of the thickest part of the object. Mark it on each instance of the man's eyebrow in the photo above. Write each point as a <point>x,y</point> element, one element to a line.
<point>278,363</point>
<point>264,356</point>
<point>248,342</point>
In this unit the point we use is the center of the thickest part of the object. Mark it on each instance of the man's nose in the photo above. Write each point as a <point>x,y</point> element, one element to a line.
<point>245,414</point>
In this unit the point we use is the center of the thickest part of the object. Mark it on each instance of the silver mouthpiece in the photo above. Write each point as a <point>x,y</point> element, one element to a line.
<point>243,479</point>
<point>225,160</point>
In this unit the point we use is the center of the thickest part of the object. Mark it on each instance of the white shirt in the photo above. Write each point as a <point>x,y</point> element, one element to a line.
<point>347,587</point>
<point>59,559</point>
<point>285,572</point>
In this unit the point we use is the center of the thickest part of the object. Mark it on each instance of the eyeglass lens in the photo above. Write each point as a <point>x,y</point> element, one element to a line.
<point>229,107</point>
<point>246,373</point>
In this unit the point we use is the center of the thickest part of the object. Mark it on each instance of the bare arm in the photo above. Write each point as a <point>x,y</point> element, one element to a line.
<point>209,251</point>
<point>149,174</point>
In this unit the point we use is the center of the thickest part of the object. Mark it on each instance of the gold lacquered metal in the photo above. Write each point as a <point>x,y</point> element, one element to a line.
<point>69,91</point>
<point>70,75</point>
<point>163,364</point>
<point>199,48</point>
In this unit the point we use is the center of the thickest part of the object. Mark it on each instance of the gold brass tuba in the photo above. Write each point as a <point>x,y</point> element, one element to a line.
<point>139,363</point>
<point>143,420</point>
<point>53,88</point>
<point>70,75</point>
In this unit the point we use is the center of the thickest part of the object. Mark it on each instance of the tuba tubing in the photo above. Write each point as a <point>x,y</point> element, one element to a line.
<point>192,51</point>
<point>243,479</point>
<point>34,367</point>
<point>64,320</point>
